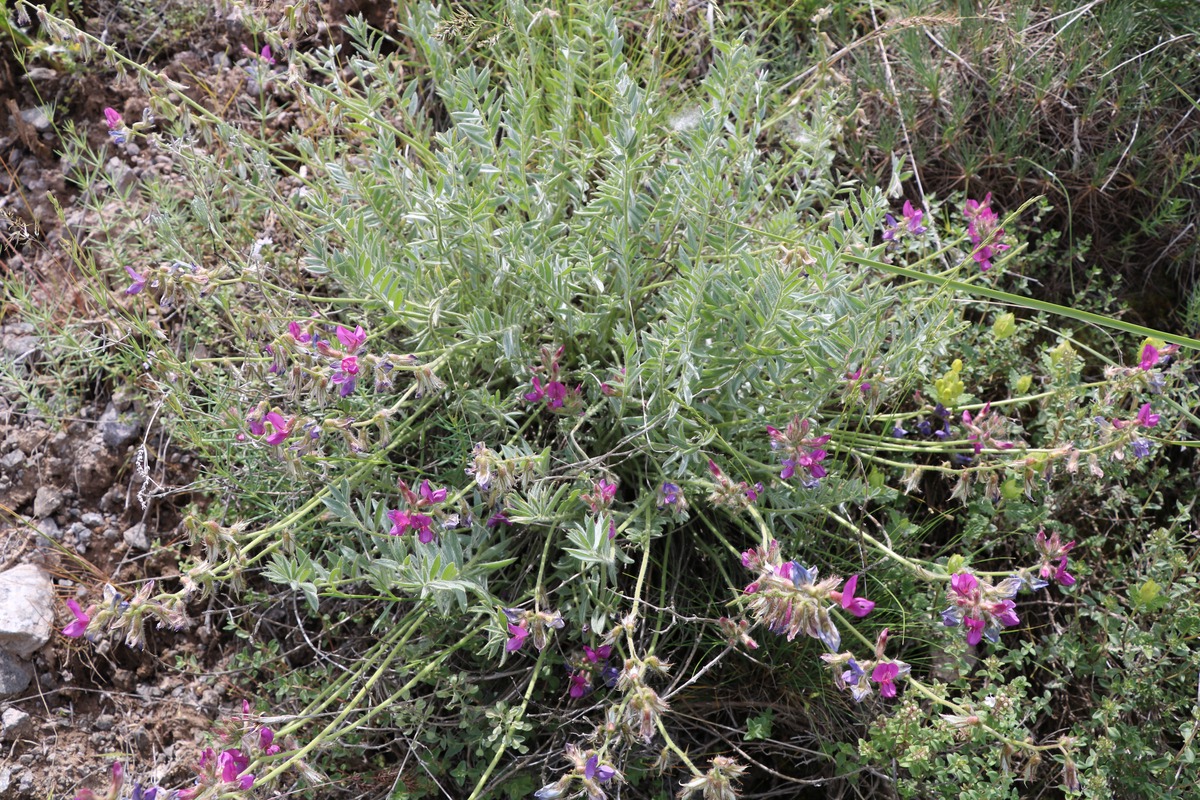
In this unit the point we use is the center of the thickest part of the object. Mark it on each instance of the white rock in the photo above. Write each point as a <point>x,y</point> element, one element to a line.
<point>15,724</point>
<point>135,537</point>
<point>26,609</point>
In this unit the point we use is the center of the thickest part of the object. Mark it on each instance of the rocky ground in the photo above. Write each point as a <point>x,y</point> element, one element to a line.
<point>72,486</point>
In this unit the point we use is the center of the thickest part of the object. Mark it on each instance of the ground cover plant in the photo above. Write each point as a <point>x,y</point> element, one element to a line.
<point>573,428</point>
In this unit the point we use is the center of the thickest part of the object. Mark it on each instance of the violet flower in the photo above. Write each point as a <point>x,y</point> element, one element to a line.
<point>299,334</point>
<point>581,684</point>
<point>671,495</point>
<point>885,675</point>
<point>1149,357</point>
<point>232,763</point>
<point>913,216</point>
<point>80,625</point>
<point>594,770</point>
<point>431,496</point>
<point>1141,448</point>
<point>139,280</point>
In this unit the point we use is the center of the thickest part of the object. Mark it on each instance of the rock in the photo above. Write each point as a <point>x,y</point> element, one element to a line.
<point>46,501</point>
<point>40,74</point>
<point>15,724</point>
<point>104,722</point>
<point>26,609</point>
<point>92,519</point>
<point>11,461</point>
<point>14,678</point>
<point>121,174</point>
<point>118,430</point>
<point>49,529</point>
<point>37,117</point>
<point>135,537</point>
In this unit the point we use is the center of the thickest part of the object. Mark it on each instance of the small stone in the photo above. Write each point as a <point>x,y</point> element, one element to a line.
<point>49,529</point>
<point>118,430</point>
<point>92,519</point>
<point>37,117</point>
<point>11,461</point>
<point>40,74</point>
<point>105,722</point>
<point>46,501</point>
<point>135,537</point>
<point>15,724</point>
<point>26,609</point>
<point>14,678</point>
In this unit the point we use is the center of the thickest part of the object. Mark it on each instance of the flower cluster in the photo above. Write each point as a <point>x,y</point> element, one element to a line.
<point>857,677</point>
<point>717,783</point>
<point>894,232</point>
<point>587,770</point>
<point>801,453</point>
<point>732,495</point>
<point>523,625</point>
<point>421,508</point>
<point>228,768</point>
<point>554,393</point>
<point>118,616</point>
<point>789,600</point>
<point>117,781</point>
<point>643,706</point>
<point>983,228</point>
<point>585,669</point>
<point>1054,560</point>
<point>986,428</point>
<point>981,608</point>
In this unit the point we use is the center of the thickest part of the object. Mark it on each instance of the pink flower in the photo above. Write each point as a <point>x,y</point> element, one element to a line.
<point>266,55</point>
<point>403,521</point>
<point>431,496</point>
<point>282,428</point>
<point>964,583</point>
<point>581,683</point>
<point>113,119</point>
<point>974,629</point>
<point>232,763</point>
<point>1146,418</point>
<point>80,625</point>
<point>538,392</point>
<point>885,675</point>
<point>517,636</point>
<point>351,340</point>
<point>858,606</point>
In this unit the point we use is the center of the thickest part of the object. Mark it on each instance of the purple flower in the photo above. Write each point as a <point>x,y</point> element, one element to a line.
<point>974,629</point>
<point>517,636</point>
<point>964,584</point>
<point>431,496</point>
<point>1141,448</point>
<point>1004,614</point>
<point>139,280</point>
<point>597,771</point>
<point>858,606</point>
<point>113,119</point>
<point>80,625</point>
<point>913,216</point>
<point>351,340</point>
<point>898,431</point>
<point>298,333</point>
<point>404,521</point>
<point>891,229</point>
<point>581,684</point>
<point>1146,418</point>
<point>1149,357</point>
<point>599,654</point>
<point>266,741</point>
<point>266,56</point>
<point>1061,575</point>
<point>538,392</point>
<point>885,675</point>
<point>670,495</point>
<point>556,391</point>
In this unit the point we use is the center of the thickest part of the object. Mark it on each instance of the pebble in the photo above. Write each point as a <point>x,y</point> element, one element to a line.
<point>105,722</point>
<point>46,502</point>
<point>135,537</point>
<point>37,117</point>
<point>92,519</point>
<point>26,609</point>
<point>118,430</point>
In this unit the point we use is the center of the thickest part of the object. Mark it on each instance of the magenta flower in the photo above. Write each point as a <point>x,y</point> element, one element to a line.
<point>581,684</point>
<point>266,741</point>
<point>403,522</point>
<point>266,56</point>
<point>232,763</point>
<point>139,280</point>
<point>1149,357</point>
<point>538,392</point>
<point>858,606</point>
<point>113,119</point>
<point>80,625</point>
<point>1146,418</point>
<point>431,496</point>
<point>984,231</point>
<point>556,392</point>
<point>599,654</point>
<point>298,333</point>
<point>964,584</point>
<point>974,628</point>
<point>351,340</point>
<point>282,428</point>
<point>517,636</point>
<point>885,675</point>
